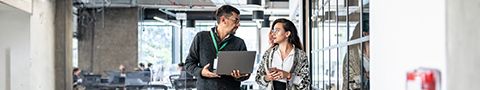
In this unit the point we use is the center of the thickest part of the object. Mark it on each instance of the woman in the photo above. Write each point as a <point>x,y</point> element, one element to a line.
<point>285,65</point>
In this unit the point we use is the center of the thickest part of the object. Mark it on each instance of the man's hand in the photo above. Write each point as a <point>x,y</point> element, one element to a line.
<point>236,74</point>
<point>207,73</point>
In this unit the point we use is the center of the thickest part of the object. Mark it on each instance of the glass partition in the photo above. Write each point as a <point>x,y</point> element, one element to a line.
<point>339,44</point>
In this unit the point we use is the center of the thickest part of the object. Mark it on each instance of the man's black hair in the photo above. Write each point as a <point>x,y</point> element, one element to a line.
<point>225,10</point>
<point>75,70</point>
<point>149,64</point>
<point>181,64</point>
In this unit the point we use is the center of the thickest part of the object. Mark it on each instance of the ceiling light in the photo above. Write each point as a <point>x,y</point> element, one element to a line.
<point>257,15</point>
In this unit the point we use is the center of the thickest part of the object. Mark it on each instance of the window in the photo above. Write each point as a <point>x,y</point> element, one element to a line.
<point>339,40</point>
<point>188,36</point>
<point>156,46</point>
<point>153,46</point>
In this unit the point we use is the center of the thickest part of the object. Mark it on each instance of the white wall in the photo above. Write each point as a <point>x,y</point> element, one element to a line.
<point>463,34</point>
<point>33,63</point>
<point>3,68</point>
<point>25,5</point>
<point>406,34</point>
<point>15,35</point>
<point>42,45</point>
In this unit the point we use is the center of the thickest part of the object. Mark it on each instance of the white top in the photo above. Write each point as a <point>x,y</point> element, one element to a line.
<point>366,62</point>
<point>285,65</point>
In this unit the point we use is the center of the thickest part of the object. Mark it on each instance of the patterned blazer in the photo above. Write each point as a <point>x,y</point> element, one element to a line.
<point>300,71</point>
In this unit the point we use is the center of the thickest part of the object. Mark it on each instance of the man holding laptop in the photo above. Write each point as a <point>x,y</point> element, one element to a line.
<point>206,47</point>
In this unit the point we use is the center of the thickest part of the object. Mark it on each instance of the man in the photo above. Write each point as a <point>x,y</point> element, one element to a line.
<point>141,67</point>
<point>207,44</point>
<point>77,80</point>
<point>122,70</point>
<point>148,68</point>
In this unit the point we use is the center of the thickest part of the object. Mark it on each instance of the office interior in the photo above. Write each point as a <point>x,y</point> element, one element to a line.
<point>378,44</point>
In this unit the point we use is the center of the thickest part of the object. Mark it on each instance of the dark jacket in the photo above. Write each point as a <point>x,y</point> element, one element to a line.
<point>202,52</point>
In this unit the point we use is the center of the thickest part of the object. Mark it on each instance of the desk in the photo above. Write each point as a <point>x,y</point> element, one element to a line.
<point>103,86</point>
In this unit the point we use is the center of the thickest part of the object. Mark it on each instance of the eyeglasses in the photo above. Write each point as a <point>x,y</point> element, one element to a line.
<point>236,20</point>
<point>275,31</point>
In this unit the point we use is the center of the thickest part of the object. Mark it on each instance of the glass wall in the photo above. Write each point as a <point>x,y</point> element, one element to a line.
<point>155,47</point>
<point>339,44</point>
<point>158,44</point>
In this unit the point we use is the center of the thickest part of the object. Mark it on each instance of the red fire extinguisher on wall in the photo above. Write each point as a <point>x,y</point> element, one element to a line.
<point>423,79</point>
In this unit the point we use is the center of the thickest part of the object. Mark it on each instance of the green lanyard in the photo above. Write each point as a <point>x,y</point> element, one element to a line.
<point>215,43</point>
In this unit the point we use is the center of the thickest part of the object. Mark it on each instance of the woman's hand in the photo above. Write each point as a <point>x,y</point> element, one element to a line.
<point>280,74</point>
<point>269,76</point>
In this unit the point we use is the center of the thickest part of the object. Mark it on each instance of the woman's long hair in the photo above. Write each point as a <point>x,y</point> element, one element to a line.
<point>289,26</point>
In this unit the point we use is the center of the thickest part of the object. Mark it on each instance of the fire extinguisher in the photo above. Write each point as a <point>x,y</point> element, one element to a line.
<point>423,79</point>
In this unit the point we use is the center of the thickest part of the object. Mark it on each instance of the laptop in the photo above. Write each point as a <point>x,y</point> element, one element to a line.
<point>144,76</point>
<point>235,60</point>
<point>91,79</point>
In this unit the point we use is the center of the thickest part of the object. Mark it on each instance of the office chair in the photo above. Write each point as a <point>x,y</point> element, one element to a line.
<point>182,83</point>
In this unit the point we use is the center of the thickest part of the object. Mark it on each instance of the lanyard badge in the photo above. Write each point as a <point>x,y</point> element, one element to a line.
<point>216,49</point>
<point>215,43</point>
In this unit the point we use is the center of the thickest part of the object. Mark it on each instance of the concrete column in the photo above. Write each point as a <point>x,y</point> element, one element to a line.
<point>63,44</point>
<point>463,32</point>
<point>109,37</point>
